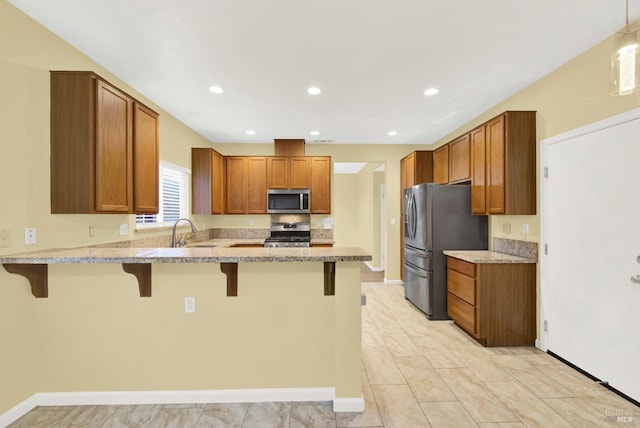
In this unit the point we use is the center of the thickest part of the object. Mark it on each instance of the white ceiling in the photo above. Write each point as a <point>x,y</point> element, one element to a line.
<point>373,59</point>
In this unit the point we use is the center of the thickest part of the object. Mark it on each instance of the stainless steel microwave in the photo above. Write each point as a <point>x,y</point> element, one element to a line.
<point>283,201</point>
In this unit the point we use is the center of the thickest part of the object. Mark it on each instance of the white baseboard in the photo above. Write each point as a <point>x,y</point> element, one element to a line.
<point>393,281</point>
<point>348,404</point>
<point>373,268</point>
<point>181,397</point>
<point>16,412</point>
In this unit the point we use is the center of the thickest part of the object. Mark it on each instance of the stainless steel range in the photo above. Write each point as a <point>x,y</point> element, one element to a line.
<point>289,235</point>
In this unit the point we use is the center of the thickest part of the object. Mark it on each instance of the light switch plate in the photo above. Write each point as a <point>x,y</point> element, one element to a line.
<point>30,236</point>
<point>124,229</point>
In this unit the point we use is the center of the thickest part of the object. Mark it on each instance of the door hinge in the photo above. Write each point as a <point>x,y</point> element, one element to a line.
<point>546,249</point>
<point>546,172</point>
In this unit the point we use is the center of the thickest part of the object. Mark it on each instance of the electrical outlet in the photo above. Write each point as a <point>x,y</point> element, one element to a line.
<point>124,229</point>
<point>392,221</point>
<point>30,236</point>
<point>525,228</point>
<point>189,305</point>
<point>251,222</point>
<point>92,231</point>
<point>506,228</point>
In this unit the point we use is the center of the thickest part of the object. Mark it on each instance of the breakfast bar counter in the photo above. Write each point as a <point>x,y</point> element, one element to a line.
<point>272,324</point>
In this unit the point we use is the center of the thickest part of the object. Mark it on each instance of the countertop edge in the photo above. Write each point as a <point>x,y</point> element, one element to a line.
<point>487,257</point>
<point>85,255</point>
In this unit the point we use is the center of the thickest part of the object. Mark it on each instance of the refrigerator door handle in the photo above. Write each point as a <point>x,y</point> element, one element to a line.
<point>414,215</point>
<point>421,273</point>
<point>419,253</point>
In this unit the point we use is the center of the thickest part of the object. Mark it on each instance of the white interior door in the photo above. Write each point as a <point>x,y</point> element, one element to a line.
<point>591,225</point>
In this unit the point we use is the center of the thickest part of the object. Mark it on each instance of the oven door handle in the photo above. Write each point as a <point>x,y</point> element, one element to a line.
<point>420,272</point>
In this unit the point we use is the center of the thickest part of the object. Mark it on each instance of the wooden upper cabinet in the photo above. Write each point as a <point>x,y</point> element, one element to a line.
<point>509,175</point>
<point>113,153</point>
<point>257,185</point>
<point>320,188</point>
<point>207,181</point>
<point>285,172</point>
<point>478,166</point>
<point>145,160</point>
<point>246,184</point>
<point>100,159</point>
<point>236,185</point>
<point>300,172</point>
<point>495,171</point>
<point>460,159</point>
<point>277,172</point>
<point>441,165</point>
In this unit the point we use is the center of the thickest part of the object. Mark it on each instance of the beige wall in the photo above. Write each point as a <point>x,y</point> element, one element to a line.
<point>572,96</point>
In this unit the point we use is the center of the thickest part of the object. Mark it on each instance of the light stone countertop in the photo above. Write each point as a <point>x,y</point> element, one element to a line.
<point>219,254</point>
<point>483,256</point>
<point>230,242</point>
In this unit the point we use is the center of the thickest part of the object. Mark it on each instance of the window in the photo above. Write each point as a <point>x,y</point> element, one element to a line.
<point>174,197</point>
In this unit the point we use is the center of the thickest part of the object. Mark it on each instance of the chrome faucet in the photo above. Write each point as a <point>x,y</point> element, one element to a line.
<point>173,235</point>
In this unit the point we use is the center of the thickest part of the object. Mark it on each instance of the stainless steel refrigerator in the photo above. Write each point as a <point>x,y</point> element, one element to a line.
<point>436,218</point>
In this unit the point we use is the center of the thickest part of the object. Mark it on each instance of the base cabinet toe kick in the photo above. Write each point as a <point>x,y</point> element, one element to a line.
<point>35,267</point>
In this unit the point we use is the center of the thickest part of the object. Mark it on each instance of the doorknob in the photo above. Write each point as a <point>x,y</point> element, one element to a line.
<point>635,279</point>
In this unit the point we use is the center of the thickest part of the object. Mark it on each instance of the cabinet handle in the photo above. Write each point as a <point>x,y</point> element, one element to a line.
<point>635,279</point>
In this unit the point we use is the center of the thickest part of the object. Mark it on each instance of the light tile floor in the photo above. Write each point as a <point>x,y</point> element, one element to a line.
<point>415,373</point>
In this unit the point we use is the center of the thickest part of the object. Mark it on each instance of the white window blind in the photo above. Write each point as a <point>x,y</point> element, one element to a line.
<point>174,196</point>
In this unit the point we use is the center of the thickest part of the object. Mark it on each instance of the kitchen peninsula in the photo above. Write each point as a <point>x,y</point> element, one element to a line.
<point>291,331</point>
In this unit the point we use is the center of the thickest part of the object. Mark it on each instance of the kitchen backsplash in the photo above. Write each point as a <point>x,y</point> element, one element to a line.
<point>516,247</point>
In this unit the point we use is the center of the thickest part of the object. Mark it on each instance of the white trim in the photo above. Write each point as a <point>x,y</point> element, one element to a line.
<point>373,268</point>
<point>393,281</point>
<point>181,397</point>
<point>348,404</point>
<point>595,126</point>
<point>18,411</point>
<point>542,342</point>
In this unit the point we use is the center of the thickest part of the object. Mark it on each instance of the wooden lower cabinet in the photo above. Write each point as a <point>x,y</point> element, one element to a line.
<point>493,302</point>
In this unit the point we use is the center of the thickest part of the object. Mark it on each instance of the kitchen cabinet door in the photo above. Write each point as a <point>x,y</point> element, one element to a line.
<point>236,183</point>
<point>495,173</point>
<point>114,144</point>
<point>478,166</point>
<point>145,160</point>
<point>320,185</point>
<point>207,181</point>
<point>441,165</point>
<point>460,160</point>
<point>300,172</point>
<point>278,172</point>
<point>256,185</point>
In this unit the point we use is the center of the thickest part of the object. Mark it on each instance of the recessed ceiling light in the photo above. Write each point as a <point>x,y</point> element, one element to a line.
<point>392,133</point>
<point>431,91</point>
<point>251,132</point>
<point>314,90</point>
<point>314,133</point>
<point>216,89</point>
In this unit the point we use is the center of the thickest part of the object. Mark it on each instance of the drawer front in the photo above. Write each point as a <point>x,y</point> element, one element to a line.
<point>462,286</point>
<point>461,266</point>
<point>462,313</point>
